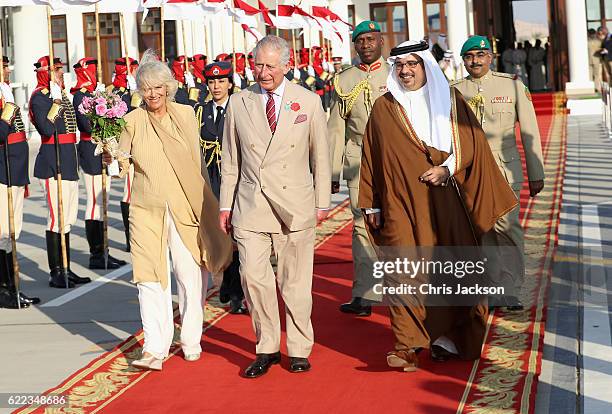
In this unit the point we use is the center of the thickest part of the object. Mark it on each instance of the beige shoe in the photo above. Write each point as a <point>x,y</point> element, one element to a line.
<point>192,357</point>
<point>149,362</point>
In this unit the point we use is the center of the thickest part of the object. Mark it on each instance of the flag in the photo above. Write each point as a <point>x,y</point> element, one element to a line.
<point>253,31</point>
<point>291,17</point>
<point>321,14</point>
<point>265,14</point>
<point>247,8</point>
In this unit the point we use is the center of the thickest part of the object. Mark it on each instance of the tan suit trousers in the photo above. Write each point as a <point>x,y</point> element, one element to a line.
<point>363,282</point>
<point>294,251</point>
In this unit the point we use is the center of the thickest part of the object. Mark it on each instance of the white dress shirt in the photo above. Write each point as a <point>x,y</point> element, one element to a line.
<point>216,105</point>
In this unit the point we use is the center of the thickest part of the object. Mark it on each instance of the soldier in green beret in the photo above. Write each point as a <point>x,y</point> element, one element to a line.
<point>355,90</point>
<point>499,100</point>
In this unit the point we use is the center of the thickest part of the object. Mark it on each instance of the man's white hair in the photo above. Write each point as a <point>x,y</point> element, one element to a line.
<point>152,72</point>
<point>276,43</point>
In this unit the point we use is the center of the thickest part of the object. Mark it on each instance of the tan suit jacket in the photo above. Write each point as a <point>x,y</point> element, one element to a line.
<point>267,180</point>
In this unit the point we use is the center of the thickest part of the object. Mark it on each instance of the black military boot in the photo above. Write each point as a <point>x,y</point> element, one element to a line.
<point>8,298</point>
<point>54,257</point>
<point>11,277</point>
<point>95,237</point>
<point>111,259</point>
<point>73,277</point>
<point>125,214</point>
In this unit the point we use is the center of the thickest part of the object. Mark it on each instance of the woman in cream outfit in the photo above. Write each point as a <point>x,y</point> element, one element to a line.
<point>172,213</point>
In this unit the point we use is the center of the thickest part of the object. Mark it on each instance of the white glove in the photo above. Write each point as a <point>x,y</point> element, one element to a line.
<point>311,71</point>
<point>100,87</point>
<point>237,80</point>
<point>7,92</point>
<point>189,80</point>
<point>296,74</point>
<point>325,66</point>
<point>131,81</point>
<point>56,91</point>
<point>330,68</point>
<point>249,74</point>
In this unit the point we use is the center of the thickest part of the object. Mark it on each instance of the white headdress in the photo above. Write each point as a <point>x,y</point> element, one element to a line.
<point>437,89</point>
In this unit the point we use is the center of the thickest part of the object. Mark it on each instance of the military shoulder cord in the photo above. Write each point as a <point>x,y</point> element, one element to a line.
<point>347,100</point>
<point>207,145</point>
<point>477,105</point>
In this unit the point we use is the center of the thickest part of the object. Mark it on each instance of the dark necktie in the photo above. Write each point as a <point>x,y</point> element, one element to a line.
<point>219,118</point>
<point>271,112</point>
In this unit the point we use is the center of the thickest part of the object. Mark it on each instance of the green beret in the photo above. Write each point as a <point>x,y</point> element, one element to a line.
<point>475,43</point>
<point>365,27</point>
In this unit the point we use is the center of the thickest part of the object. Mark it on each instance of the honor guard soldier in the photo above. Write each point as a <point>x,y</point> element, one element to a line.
<point>199,92</point>
<point>178,70</point>
<point>322,77</point>
<point>86,70</point>
<point>53,116</point>
<point>12,133</point>
<point>240,81</point>
<point>499,100</point>
<point>249,70</point>
<point>220,82</point>
<point>124,85</point>
<point>355,90</point>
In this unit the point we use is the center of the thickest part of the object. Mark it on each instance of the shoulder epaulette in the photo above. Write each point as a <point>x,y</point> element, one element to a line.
<point>457,82</point>
<point>121,89</point>
<point>345,70</point>
<point>504,75</point>
<point>83,90</point>
<point>44,91</point>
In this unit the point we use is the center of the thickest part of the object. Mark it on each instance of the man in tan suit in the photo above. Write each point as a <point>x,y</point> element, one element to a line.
<point>499,100</point>
<point>355,90</point>
<point>275,185</point>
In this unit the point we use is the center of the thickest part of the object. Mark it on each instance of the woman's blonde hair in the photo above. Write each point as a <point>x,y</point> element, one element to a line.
<point>152,72</point>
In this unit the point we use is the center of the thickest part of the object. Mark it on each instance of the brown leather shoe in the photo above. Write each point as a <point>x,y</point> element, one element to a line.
<point>405,359</point>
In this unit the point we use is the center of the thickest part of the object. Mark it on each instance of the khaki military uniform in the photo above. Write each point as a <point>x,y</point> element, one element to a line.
<point>355,90</point>
<point>499,100</point>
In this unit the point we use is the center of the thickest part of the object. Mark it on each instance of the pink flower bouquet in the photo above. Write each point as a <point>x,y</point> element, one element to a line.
<point>105,111</point>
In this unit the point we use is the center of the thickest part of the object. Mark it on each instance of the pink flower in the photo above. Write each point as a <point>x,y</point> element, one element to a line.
<point>121,109</point>
<point>101,109</point>
<point>101,101</point>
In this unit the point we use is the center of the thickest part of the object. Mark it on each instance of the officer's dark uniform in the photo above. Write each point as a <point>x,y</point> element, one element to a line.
<point>211,135</point>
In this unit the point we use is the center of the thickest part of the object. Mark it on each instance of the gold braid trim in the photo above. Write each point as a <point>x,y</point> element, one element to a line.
<point>216,151</point>
<point>477,104</point>
<point>199,117</point>
<point>347,100</point>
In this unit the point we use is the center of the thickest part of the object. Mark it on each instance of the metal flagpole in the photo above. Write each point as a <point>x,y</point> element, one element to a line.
<point>9,194</point>
<point>104,178</point>
<point>58,162</point>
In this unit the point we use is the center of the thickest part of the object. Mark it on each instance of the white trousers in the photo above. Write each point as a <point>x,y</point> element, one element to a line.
<point>156,303</point>
<point>18,194</point>
<point>127,186</point>
<point>93,187</point>
<point>70,202</point>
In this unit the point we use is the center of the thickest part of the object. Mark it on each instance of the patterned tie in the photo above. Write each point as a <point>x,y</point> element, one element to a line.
<point>271,112</point>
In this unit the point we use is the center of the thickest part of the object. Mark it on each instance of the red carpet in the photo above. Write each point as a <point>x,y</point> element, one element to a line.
<point>349,370</point>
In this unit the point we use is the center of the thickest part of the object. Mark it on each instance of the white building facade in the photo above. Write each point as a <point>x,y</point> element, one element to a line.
<point>25,35</point>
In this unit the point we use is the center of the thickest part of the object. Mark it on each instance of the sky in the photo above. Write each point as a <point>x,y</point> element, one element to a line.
<point>533,11</point>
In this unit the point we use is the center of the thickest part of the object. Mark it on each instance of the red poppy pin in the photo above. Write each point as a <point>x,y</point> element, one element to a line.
<point>295,106</point>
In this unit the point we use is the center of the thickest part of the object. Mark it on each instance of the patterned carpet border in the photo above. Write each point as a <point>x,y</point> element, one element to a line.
<point>504,380</point>
<point>105,378</point>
